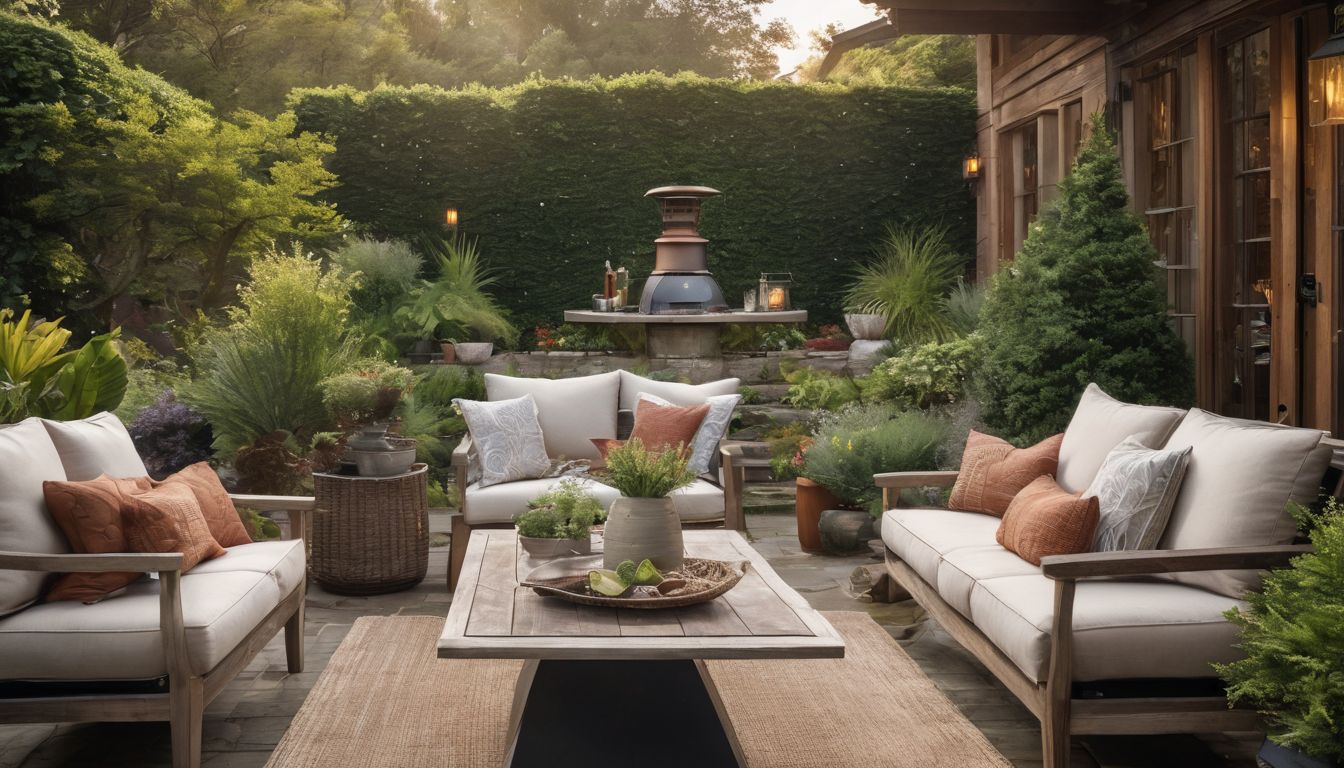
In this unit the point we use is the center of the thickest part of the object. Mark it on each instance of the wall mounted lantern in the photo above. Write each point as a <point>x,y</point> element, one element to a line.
<point>970,167</point>
<point>1325,74</point>
<point>450,217</point>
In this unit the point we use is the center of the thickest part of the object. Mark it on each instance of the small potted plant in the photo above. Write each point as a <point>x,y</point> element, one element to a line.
<point>456,305</point>
<point>362,401</point>
<point>449,350</point>
<point>558,523</point>
<point>1293,637</point>
<point>642,524</point>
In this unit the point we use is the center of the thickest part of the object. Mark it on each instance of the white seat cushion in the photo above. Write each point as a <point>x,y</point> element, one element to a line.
<point>503,502</point>
<point>119,639</point>
<point>698,502</point>
<point>1121,629</point>
<point>572,411</point>
<point>1239,480</point>
<point>282,560</point>
<point>95,446</point>
<point>1098,425</point>
<point>961,568</point>
<point>920,536</point>
<point>674,392</point>
<point>27,458</point>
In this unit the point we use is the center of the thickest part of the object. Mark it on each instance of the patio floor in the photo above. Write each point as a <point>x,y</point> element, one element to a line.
<point>243,725</point>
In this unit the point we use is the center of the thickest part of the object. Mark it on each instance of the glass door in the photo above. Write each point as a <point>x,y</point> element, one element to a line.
<point>1245,285</point>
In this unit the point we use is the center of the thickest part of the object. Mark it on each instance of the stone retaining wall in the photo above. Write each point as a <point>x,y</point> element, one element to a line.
<point>752,368</point>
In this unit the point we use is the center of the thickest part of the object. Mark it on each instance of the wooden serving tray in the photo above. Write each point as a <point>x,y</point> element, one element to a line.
<point>697,581</point>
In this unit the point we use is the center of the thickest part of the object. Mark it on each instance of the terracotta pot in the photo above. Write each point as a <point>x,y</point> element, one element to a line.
<point>810,500</point>
<point>473,353</point>
<point>866,326</point>
<point>643,528</point>
<point>449,353</point>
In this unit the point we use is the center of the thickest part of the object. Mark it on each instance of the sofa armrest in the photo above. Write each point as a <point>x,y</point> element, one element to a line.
<point>892,483</point>
<point>1146,562</point>
<point>148,562</point>
<point>296,506</point>
<point>734,458</point>
<point>461,463</point>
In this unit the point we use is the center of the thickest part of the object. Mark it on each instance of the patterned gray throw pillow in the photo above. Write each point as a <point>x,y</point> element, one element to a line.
<point>711,430</point>
<point>507,438</point>
<point>1136,488</point>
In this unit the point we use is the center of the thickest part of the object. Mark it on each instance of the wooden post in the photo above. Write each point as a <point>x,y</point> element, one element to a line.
<point>1059,684</point>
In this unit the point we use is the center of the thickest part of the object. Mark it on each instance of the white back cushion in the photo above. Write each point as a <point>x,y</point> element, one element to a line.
<point>1099,424</point>
<point>95,446</point>
<point>1240,478</point>
<point>674,392</point>
<point>27,458</point>
<point>572,411</point>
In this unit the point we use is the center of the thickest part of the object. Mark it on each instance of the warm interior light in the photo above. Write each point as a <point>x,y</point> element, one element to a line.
<point>450,217</point>
<point>1325,75</point>
<point>776,300</point>
<point>970,167</point>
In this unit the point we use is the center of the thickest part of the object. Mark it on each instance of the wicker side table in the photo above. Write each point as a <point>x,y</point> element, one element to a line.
<point>370,535</point>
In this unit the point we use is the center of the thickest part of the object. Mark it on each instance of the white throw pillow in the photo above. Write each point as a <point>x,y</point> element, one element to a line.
<point>1099,424</point>
<point>711,431</point>
<point>676,393</point>
<point>1135,489</point>
<point>1241,476</point>
<point>98,445</point>
<point>508,439</point>
<point>572,412</point>
<point>27,458</point>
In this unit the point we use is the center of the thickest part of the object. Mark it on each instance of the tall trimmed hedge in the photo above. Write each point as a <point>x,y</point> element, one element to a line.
<point>550,175</point>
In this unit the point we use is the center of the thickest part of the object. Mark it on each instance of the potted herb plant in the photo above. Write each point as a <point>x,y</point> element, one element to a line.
<point>558,523</point>
<point>362,401</point>
<point>642,524</point>
<point>1293,635</point>
<point>852,445</point>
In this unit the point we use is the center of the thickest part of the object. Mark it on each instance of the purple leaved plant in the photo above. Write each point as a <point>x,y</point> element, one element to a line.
<point>170,435</point>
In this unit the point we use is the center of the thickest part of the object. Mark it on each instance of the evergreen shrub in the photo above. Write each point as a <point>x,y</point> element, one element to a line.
<point>1081,303</point>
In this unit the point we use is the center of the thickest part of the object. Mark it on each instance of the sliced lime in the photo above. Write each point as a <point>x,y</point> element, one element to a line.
<point>647,574</point>
<point>605,582</point>
<point>626,571</point>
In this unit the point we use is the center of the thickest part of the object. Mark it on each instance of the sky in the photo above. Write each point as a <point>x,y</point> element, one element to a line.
<point>807,15</point>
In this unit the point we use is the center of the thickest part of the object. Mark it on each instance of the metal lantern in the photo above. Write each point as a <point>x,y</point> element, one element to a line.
<point>970,167</point>
<point>1325,74</point>
<point>450,217</point>
<point>773,294</point>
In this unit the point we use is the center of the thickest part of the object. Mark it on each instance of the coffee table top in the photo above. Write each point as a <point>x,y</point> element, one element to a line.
<point>491,617</point>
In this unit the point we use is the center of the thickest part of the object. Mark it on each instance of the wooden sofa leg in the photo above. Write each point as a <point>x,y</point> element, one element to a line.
<point>457,553</point>
<point>294,641</point>
<point>1055,746</point>
<point>187,706</point>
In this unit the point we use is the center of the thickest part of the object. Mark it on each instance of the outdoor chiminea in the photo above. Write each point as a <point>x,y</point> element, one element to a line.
<point>680,283</point>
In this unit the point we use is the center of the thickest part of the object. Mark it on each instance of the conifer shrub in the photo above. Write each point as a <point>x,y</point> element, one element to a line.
<point>1081,303</point>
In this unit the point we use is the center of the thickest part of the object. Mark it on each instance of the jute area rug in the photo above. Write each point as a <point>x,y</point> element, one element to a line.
<point>386,701</point>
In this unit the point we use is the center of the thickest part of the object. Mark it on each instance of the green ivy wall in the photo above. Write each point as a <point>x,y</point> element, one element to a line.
<point>551,175</point>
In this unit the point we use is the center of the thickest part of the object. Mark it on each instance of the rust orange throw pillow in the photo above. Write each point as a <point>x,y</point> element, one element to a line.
<point>168,519</point>
<point>604,444</point>
<point>89,514</point>
<point>1045,519</point>
<point>992,472</point>
<point>216,506</point>
<point>660,427</point>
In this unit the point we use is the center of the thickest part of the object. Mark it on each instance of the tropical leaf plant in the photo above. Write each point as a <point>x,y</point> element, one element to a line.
<point>38,377</point>
<point>94,380</point>
<point>456,305</point>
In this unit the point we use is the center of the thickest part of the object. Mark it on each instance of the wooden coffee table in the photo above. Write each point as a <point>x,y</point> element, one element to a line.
<point>602,685</point>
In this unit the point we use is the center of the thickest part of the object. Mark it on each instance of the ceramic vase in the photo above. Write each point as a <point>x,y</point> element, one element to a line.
<point>643,528</point>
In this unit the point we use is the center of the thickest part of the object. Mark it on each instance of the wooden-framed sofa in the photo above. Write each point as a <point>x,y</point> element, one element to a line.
<point>1106,642</point>
<point>572,412</point>
<point>166,646</point>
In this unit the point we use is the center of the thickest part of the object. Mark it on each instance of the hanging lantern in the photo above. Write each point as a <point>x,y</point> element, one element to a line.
<point>1325,74</point>
<point>450,217</point>
<point>970,167</point>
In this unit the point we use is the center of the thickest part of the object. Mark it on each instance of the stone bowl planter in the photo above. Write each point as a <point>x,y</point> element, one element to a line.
<point>473,353</point>
<point>866,327</point>
<point>846,530</point>
<point>385,463</point>
<point>551,548</point>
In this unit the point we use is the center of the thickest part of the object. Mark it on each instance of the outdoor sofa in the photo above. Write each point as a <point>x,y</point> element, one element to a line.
<point>163,648</point>
<point>1117,642</point>
<point>573,412</point>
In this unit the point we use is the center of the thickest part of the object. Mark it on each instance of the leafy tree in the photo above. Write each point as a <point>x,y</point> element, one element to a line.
<point>911,61</point>
<point>1081,303</point>
<point>120,184</point>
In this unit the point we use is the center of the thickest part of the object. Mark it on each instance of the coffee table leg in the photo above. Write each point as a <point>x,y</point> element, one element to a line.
<point>639,713</point>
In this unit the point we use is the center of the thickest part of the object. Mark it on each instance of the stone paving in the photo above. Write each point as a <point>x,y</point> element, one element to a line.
<point>246,721</point>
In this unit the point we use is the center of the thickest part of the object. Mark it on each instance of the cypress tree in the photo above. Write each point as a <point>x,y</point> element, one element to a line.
<point>1081,303</point>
